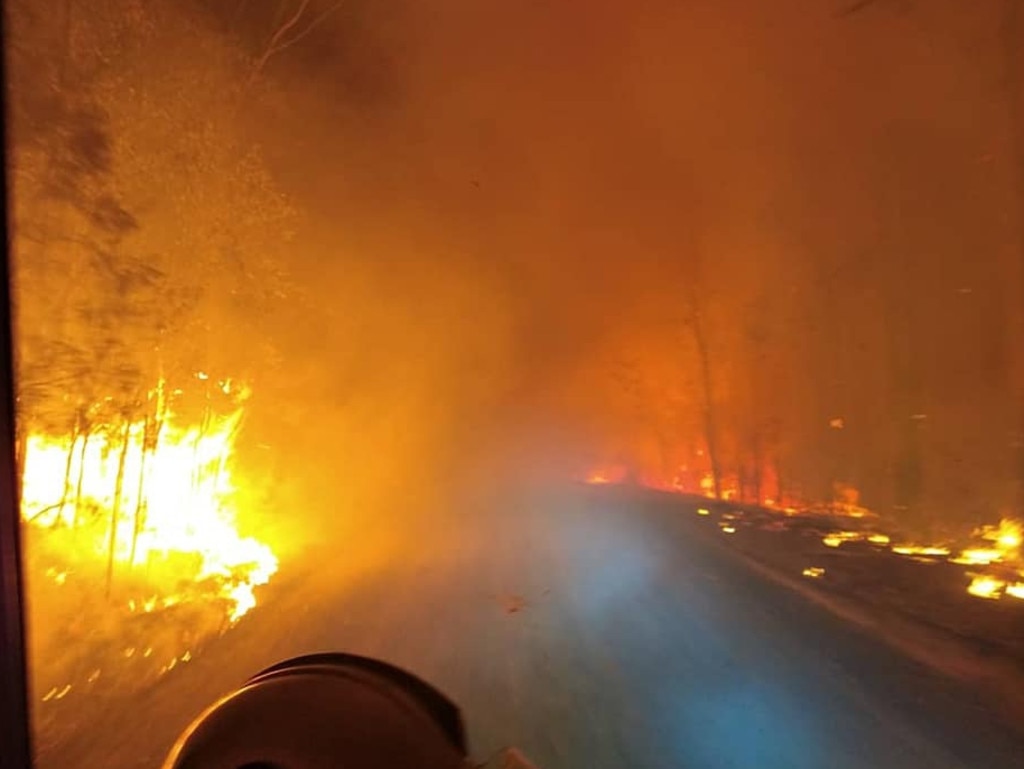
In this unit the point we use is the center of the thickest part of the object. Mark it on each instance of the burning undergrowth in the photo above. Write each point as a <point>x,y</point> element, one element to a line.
<point>135,553</point>
<point>990,556</point>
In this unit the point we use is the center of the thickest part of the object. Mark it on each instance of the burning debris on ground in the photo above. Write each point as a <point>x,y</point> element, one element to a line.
<point>969,587</point>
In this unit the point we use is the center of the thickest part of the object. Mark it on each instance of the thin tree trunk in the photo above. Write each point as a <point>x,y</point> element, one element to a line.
<point>81,475</point>
<point>115,509</point>
<point>743,481</point>
<point>758,473</point>
<point>68,464</point>
<point>710,428</point>
<point>154,434</point>
<point>281,31</point>
<point>664,462</point>
<point>21,449</point>
<point>139,518</point>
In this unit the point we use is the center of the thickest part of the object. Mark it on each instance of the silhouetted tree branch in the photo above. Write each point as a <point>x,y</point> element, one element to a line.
<point>291,31</point>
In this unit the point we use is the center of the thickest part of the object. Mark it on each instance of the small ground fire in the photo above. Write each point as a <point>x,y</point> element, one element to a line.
<point>993,551</point>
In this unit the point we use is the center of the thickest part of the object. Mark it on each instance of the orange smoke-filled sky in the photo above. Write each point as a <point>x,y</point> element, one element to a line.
<point>537,188</point>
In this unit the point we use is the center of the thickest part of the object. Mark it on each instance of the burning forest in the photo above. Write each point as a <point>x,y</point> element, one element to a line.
<point>298,284</point>
<point>150,496</point>
<point>138,519</point>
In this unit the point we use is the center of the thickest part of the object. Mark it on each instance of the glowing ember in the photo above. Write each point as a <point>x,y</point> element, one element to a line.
<point>1015,590</point>
<point>57,694</point>
<point>606,474</point>
<point>836,538</point>
<point>142,498</point>
<point>703,511</point>
<point>727,528</point>
<point>814,572</point>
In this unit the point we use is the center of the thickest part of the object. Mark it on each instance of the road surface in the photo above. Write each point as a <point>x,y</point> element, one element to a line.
<point>592,628</point>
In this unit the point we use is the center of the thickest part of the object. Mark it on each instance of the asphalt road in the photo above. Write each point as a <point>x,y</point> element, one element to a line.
<point>591,628</point>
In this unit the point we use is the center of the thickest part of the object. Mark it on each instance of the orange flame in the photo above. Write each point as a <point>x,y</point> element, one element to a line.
<point>175,497</point>
<point>1006,538</point>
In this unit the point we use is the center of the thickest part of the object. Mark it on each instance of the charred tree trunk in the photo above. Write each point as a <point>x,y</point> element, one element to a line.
<point>140,492</point>
<point>86,434</point>
<point>710,426</point>
<point>906,399</point>
<point>115,508</point>
<point>68,465</point>
<point>758,474</point>
<point>20,449</point>
<point>743,480</point>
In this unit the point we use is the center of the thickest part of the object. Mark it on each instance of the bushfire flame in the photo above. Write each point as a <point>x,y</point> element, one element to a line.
<point>1005,539</point>
<point>984,586</point>
<point>999,547</point>
<point>135,497</point>
<point>922,551</point>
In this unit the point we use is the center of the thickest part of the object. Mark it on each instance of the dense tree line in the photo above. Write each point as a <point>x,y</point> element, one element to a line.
<point>149,239</point>
<point>148,232</point>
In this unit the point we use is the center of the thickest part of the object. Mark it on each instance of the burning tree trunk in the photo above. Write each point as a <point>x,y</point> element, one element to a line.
<point>115,508</point>
<point>140,491</point>
<point>20,447</point>
<point>68,465</point>
<point>86,434</point>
